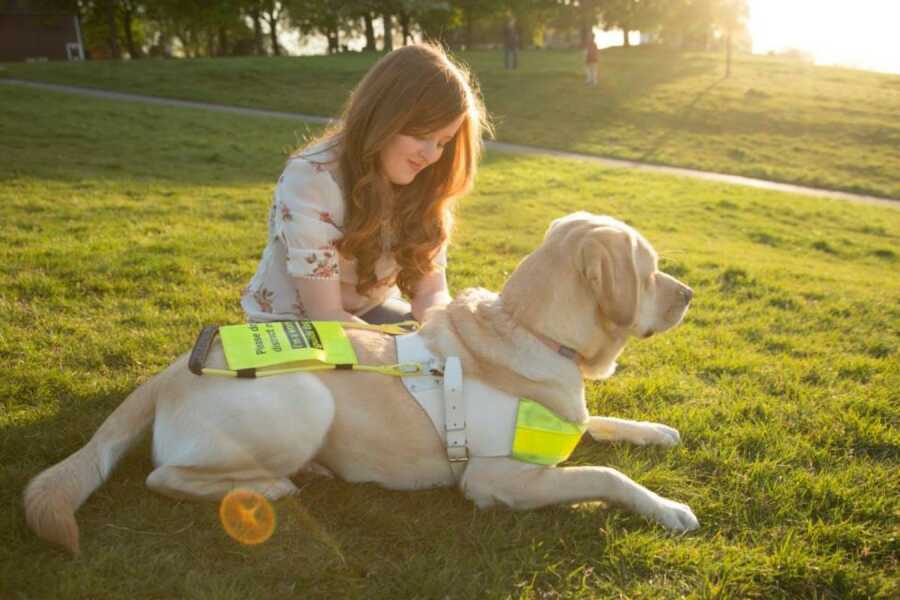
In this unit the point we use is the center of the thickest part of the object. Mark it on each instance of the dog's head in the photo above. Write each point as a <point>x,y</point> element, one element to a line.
<point>593,283</point>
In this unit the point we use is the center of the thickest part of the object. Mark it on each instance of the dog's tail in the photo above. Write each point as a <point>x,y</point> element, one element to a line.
<point>52,497</point>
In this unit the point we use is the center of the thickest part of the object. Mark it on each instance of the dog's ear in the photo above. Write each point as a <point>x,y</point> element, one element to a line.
<point>608,264</point>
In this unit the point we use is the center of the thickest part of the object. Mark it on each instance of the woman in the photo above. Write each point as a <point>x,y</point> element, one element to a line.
<point>363,214</point>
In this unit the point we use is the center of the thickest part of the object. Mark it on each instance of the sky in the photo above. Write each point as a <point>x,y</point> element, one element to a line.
<point>855,33</point>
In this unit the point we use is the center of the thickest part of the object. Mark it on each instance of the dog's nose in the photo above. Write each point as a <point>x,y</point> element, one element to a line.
<point>688,293</point>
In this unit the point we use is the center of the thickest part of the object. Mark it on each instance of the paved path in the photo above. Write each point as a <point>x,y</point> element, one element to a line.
<point>496,146</point>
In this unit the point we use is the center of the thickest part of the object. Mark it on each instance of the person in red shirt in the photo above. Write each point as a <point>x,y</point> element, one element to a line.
<point>590,62</point>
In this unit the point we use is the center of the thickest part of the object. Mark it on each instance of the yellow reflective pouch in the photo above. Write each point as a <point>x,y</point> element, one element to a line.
<point>286,344</point>
<point>542,437</point>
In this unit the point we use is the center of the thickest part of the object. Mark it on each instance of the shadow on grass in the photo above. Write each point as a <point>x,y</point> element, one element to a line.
<point>359,537</point>
<point>682,116</point>
<point>626,77</point>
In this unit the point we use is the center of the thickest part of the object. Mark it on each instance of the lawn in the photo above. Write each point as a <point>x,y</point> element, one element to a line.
<point>125,228</point>
<point>773,118</point>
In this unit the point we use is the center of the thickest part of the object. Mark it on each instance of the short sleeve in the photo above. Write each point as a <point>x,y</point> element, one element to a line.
<point>309,214</point>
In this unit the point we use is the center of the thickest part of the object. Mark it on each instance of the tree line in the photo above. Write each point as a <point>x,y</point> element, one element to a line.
<point>140,28</point>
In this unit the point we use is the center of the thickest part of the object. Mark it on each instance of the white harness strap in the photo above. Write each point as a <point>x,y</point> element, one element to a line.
<point>472,419</point>
<point>455,411</point>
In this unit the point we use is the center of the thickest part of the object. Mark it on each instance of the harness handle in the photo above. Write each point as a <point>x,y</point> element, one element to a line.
<point>201,349</point>
<point>200,352</point>
<point>401,328</point>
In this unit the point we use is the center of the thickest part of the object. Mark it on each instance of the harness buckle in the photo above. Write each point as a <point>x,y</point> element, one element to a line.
<point>458,455</point>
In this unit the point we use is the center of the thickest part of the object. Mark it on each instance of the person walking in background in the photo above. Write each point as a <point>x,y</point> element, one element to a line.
<point>590,61</point>
<point>510,44</point>
<point>362,215</point>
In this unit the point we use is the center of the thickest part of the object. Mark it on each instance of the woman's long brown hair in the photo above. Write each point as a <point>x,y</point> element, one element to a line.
<point>414,90</point>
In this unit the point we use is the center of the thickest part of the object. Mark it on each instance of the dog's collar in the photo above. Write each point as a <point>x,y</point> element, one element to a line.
<point>563,351</point>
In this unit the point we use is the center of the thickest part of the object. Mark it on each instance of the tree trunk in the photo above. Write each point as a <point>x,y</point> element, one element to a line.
<point>112,29</point>
<point>185,46</point>
<point>257,33</point>
<point>333,41</point>
<point>388,31</point>
<point>223,41</point>
<point>625,41</point>
<point>370,33</point>
<point>588,20</point>
<point>404,26</point>
<point>273,35</point>
<point>127,17</point>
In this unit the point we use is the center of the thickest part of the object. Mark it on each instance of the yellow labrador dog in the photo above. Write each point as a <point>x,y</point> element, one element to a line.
<point>563,316</point>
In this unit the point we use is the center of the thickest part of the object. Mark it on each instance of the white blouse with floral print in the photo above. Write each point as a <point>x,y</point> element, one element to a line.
<point>305,221</point>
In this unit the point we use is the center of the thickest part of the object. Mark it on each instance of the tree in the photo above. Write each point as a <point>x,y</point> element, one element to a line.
<point>253,10</point>
<point>632,15</point>
<point>131,13</point>
<point>109,8</point>
<point>405,13</point>
<point>730,17</point>
<point>475,11</point>
<point>325,17</point>
<point>370,31</point>
<point>587,18</point>
<point>202,28</point>
<point>435,18</point>
<point>387,20</point>
<point>272,13</point>
<point>532,16</point>
<point>689,23</point>
<point>99,23</point>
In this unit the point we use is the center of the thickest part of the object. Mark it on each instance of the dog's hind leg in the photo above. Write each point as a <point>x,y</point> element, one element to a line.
<point>198,484</point>
<point>607,429</point>
<point>252,434</point>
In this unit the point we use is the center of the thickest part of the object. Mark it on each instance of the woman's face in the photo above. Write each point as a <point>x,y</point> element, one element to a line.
<point>406,155</point>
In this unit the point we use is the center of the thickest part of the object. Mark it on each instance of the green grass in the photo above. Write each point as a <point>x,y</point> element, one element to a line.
<point>773,119</point>
<point>124,228</point>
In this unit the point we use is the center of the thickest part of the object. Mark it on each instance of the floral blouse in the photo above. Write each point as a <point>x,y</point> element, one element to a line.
<point>305,221</point>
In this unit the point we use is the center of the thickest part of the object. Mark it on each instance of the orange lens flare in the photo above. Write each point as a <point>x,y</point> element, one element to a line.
<point>247,516</point>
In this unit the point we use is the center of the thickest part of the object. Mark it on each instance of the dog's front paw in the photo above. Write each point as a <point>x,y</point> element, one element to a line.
<point>636,432</point>
<point>675,516</point>
<point>644,433</point>
<point>662,435</point>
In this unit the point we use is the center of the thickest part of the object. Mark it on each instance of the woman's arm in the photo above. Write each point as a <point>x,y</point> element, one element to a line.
<point>431,291</point>
<point>322,300</point>
<point>307,219</point>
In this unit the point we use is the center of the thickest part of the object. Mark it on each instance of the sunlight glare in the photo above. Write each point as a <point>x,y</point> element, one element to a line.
<point>247,516</point>
<point>835,32</point>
